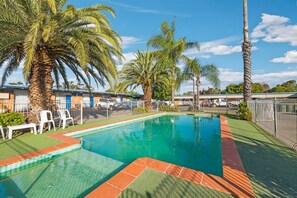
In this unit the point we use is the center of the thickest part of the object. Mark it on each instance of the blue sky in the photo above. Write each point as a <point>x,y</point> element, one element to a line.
<point>217,26</point>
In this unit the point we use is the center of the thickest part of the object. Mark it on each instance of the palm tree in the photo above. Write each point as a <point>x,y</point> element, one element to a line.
<point>190,76</point>
<point>170,49</point>
<point>49,38</point>
<point>209,72</point>
<point>144,71</point>
<point>246,53</point>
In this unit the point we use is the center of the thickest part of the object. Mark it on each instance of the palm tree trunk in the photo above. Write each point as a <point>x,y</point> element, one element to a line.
<point>147,91</point>
<point>172,84</point>
<point>198,94</point>
<point>194,94</point>
<point>246,53</point>
<point>40,83</point>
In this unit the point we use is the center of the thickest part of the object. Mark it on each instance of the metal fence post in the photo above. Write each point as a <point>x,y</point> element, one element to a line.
<point>81,112</point>
<point>227,105</point>
<point>275,116</point>
<point>256,111</point>
<point>107,110</point>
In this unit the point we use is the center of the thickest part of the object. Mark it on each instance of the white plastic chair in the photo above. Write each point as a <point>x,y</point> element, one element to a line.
<point>46,116</point>
<point>2,132</point>
<point>64,116</point>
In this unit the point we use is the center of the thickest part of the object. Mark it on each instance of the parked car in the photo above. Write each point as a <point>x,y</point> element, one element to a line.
<point>234,103</point>
<point>206,103</point>
<point>106,103</point>
<point>221,102</point>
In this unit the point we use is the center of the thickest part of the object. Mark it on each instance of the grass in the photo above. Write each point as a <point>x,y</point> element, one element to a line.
<point>23,143</point>
<point>154,184</point>
<point>270,165</point>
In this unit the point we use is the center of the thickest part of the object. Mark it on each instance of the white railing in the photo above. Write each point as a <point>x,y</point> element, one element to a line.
<point>278,117</point>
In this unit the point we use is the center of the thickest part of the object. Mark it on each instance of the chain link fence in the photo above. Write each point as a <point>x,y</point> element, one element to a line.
<point>278,117</point>
<point>84,111</point>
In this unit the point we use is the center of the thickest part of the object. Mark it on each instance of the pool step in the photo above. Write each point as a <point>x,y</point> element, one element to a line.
<point>72,176</point>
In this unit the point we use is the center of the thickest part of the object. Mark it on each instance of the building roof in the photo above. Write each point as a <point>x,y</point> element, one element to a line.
<point>73,91</point>
<point>240,96</point>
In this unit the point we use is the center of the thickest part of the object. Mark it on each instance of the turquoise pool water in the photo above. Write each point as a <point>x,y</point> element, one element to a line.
<point>74,175</point>
<point>189,141</point>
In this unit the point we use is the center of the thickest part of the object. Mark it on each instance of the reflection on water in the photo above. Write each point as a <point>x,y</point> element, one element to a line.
<point>188,141</point>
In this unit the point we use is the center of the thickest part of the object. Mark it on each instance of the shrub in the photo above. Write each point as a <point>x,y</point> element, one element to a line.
<point>10,119</point>
<point>140,110</point>
<point>169,108</point>
<point>244,113</point>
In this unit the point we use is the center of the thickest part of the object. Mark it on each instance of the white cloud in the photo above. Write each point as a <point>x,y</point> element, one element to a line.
<point>127,41</point>
<point>221,49</point>
<point>205,56</point>
<point>127,57</point>
<point>289,57</point>
<point>228,76</point>
<point>274,28</point>
<point>217,47</point>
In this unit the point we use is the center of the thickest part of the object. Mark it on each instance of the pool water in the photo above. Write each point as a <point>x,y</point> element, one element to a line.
<point>75,175</point>
<point>189,141</point>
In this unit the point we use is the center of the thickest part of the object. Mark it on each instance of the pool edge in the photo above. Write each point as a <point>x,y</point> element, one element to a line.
<point>234,181</point>
<point>67,144</point>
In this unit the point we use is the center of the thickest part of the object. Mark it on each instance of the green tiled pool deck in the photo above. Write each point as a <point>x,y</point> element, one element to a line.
<point>55,178</point>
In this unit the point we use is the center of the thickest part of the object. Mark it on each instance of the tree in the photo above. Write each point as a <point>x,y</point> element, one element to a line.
<point>289,86</point>
<point>144,71</point>
<point>16,83</point>
<point>234,88</point>
<point>209,72</point>
<point>246,53</point>
<point>257,88</point>
<point>50,36</point>
<point>210,90</point>
<point>265,86</point>
<point>170,49</point>
<point>162,93</point>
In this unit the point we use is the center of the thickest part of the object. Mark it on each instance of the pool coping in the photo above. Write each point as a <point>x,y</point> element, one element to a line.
<point>67,144</point>
<point>234,181</point>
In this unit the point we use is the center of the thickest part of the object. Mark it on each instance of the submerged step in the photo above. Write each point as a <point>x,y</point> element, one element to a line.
<point>72,176</point>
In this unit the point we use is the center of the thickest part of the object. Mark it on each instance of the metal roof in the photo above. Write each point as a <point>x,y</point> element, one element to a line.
<point>239,96</point>
<point>73,91</point>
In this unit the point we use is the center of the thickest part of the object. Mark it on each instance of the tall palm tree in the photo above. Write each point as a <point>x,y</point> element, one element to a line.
<point>144,71</point>
<point>209,72</point>
<point>190,76</point>
<point>246,53</point>
<point>49,38</point>
<point>170,49</point>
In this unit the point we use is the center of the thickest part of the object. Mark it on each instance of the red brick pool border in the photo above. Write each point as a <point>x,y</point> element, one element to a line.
<point>234,181</point>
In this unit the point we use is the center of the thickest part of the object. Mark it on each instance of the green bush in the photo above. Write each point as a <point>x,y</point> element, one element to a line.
<point>169,108</point>
<point>140,110</point>
<point>10,119</point>
<point>244,113</point>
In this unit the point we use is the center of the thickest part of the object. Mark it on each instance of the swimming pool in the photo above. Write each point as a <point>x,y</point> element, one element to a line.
<point>189,141</point>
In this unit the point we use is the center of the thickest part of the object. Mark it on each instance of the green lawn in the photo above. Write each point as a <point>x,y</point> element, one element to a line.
<point>270,165</point>
<point>154,184</point>
<point>27,142</point>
